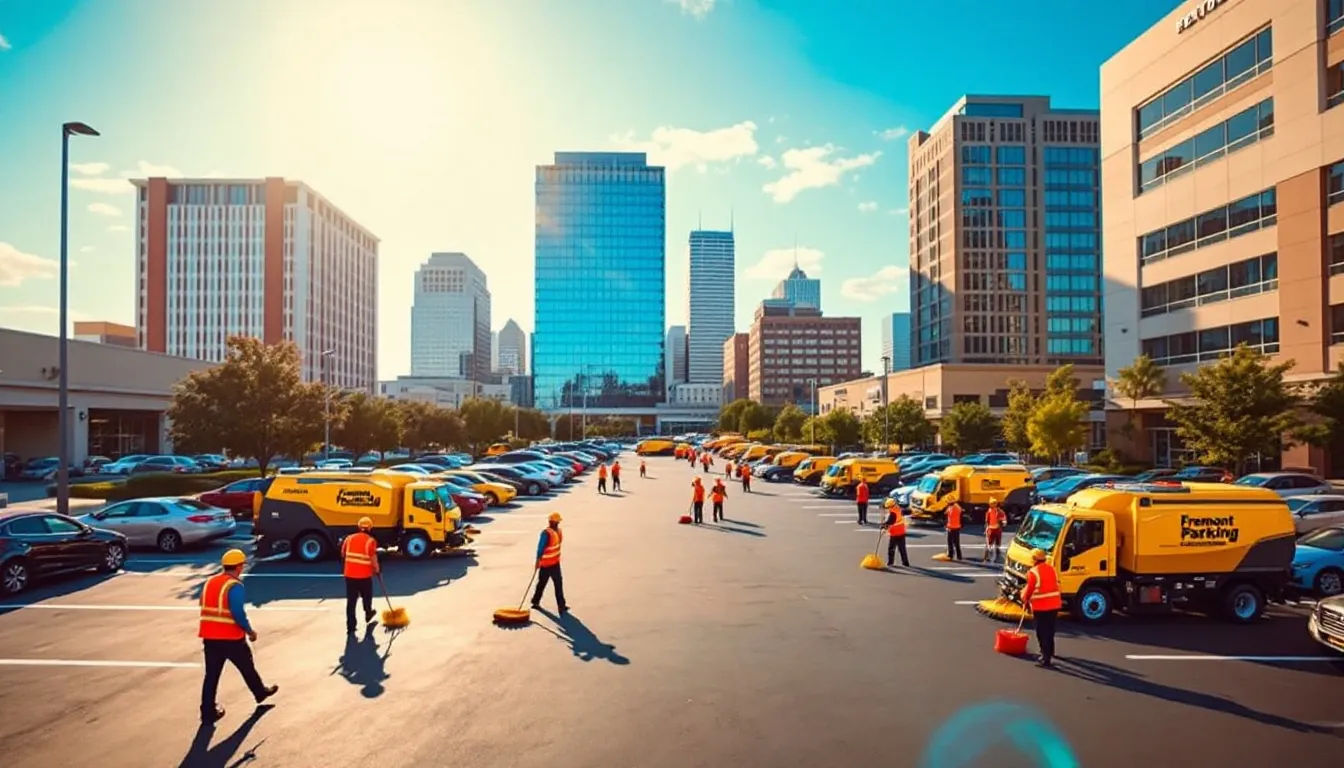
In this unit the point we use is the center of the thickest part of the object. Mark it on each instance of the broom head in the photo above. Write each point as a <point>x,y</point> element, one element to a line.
<point>396,618</point>
<point>1003,609</point>
<point>872,562</point>
<point>942,557</point>
<point>513,616</point>
<point>684,520</point>
<point>472,530</point>
<point>1010,642</point>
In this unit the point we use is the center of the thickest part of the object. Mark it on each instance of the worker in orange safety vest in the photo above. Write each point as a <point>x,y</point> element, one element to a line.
<point>954,531</point>
<point>861,496</point>
<point>224,632</point>
<point>602,478</point>
<point>895,524</point>
<point>744,472</point>
<point>548,564</point>
<point>615,476</point>
<point>717,494</point>
<point>359,554</point>
<point>1041,594</point>
<point>643,470</point>
<point>995,519</point>
<point>697,501</point>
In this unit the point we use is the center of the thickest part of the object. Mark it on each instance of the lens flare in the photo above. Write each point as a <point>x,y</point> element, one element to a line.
<point>980,734</point>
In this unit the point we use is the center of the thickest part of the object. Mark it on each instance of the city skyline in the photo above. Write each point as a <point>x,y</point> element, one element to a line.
<point>809,143</point>
<point>450,319</point>
<point>710,302</point>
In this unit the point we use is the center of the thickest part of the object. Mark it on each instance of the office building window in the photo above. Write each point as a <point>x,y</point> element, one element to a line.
<point>1085,157</point>
<point>1213,343</point>
<point>992,110</point>
<point>1334,84</point>
<point>1010,155</point>
<point>975,155</point>
<point>1224,222</point>
<point>1241,130</point>
<point>1334,184</point>
<point>1231,281</point>
<point>1334,16</point>
<point>1337,324</point>
<point>1244,62</point>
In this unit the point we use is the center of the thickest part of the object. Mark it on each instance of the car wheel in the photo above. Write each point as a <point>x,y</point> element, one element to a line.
<point>533,489</point>
<point>492,498</point>
<point>1243,603</point>
<point>1329,582</point>
<point>169,541</point>
<point>311,547</point>
<point>415,545</point>
<point>14,577</point>
<point>114,557</point>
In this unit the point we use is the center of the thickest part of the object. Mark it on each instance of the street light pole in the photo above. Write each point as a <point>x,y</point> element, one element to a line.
<point>886,405</point>
<point>584,416</point>
<point>326,406</point>
<point>63,366</point>
<point>812,425</point>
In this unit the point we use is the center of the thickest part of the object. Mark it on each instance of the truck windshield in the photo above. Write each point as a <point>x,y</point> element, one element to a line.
<point>834,470</point>
<point>445,497</point>
<point>927,484</point>
<point>1040,530</point>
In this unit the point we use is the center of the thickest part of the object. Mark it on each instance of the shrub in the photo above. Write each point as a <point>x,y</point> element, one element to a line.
<point>158,484</point>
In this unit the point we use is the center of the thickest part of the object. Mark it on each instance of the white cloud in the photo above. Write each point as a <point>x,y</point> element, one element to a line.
<point>679,147</point>
<point>884,282</point>
<point>867,207</point>
<point>118,228</point>
<point>776,264</point>
<point>87,249</point>
<point>810,168</point>
<point>767,161</point>
<point>5,46</point>
<point>145,169</point>
<point>696,8</point>
<point>17,266</point>
<point>103,209</point>
<point>899,212</point>
<point>892,134</point>
<point>106,186</point>
<point>780,139</point>
<point>89,169</point>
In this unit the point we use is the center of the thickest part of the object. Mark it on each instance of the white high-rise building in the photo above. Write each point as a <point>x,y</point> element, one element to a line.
<point>269,258</point>
<point>674,351</point>
<point>450,319</point>
<point>711,305</point>
<point>511,346</point>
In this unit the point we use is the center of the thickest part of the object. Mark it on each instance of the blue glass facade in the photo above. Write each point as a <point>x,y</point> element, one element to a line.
<point>1072,254</point>
<point>601,236</point>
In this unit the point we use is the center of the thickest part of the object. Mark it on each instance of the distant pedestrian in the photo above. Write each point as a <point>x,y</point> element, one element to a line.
<point>602,478</point>
<point>1042,594</point>
<point>704,463</point>
<point>728,470</point>
<point>995,518</point>
<point>861,500</point>
<point>616,477</point>
<point>359,557</point>
<point>697,501</point>
<point>548,564</point>
<point>643,469</point>
<point>744,471</point>
<point>225,632</point>
<point>954,531</point>
<point>895,523</point>
<point>719,493</point>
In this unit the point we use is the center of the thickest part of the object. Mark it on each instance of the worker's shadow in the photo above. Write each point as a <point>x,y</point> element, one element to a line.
<point>1106,674</point>
<point>202,755</point>
<point>944,575</point>
<point>729,529</point>
<point>364,664</point>
<point>582,642</point>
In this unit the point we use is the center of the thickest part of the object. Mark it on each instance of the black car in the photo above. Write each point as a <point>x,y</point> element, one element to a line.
<point>1195,474</point>
<point>517,457</point>
<point>37,545</point>
<point>778,474</point>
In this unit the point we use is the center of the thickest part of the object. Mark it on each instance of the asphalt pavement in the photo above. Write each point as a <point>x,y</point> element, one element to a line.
<point>757,642</point>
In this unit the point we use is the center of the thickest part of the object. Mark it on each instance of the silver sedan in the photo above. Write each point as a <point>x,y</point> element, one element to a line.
<point>166,522</point>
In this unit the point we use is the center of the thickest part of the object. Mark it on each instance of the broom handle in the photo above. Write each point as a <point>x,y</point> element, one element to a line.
<point>529,588</point>
<point>1021,619</point>
<point>878,545</point>
<point>386,596</point>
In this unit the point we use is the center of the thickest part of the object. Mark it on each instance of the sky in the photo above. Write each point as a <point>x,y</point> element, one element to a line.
<point>424,121</point>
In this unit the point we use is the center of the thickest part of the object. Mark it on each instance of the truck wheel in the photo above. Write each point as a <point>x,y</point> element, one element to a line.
<point>1329,582</point>
<point>1092,605</point>
<point>311,547</point>
<point>1243,603</point>
<point>415,545</point>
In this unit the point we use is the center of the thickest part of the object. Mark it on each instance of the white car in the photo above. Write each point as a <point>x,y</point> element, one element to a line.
<point>553,476</point>
<point>1316,511</point>
<point>1287,484</point>
<point>124,465</point>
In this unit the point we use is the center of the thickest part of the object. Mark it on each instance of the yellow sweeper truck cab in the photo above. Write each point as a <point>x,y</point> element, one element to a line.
<point>307,515</point>
<point>1158,547</point>
<point>972,487</point>
<point>843,476</point>
<point>810,471</point>
<point>655,446</point>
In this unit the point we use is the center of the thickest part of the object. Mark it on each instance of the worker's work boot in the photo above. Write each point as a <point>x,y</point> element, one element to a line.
<point>268,692</point>
<point>210,718</point>
<point>370,617</point>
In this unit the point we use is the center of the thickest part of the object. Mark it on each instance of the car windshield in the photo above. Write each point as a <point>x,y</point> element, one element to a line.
<point>834,470</point>
<point>191,505</point>
<point>1255,480</point>
<point>927,484</point>
<point>1326,538</point>
<point>1189,472</point>
<point>1298,503</point>
<point>1040,530</point>
<point>1072,482</point>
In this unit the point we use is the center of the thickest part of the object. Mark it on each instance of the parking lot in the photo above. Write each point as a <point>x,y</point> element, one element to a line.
<point>758,641</point>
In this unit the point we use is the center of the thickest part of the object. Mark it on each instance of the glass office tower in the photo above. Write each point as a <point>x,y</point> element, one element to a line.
<point>600,282</point>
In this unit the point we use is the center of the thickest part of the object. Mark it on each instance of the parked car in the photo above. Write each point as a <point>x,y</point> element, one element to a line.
<point>93,465</point>
<point>1317,511</point>
<point>335,465</point>
<point>40,470</point>
<point>212,462</point>
<point>1062,489</point>
<point>236,497</point>
<point>468,503</point>
<point>10,466</point>
<point>519,487</point>
<point>414,469</point>
<point>1045,474</point>
<point>533,483</point>
<point>181,465</point>
<point>517,457</point>
<point>1318,562</point>
<point>987,459</point>
<point>1153,475</point>
<point>552,475</point>
<point>38,545</point>
<point>1327,623</point>
<point>166,522</point>
<point>124,465</point>
<point>1287,484</point>
<point>1198,474</point>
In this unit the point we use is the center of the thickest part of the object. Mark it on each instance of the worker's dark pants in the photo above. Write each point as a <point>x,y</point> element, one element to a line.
<point>615,482</point>
<point>718,511</point>
<point>641,472</point>
<point>894,543</point>
<point>746,483</point>
<point>548,574</point>
<point>863,512</point>
<point>993,540</point>
<point>954,543</point>
<point>699,511</point>
<point>355,590</point>
<point>216,653</point>
<point>704,468</point>
<point>1045,632</point>
<point>601,485</point>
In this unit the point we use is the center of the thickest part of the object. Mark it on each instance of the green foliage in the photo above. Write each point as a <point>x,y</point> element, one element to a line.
<point>1021,405</point>
<point>789,424</point>
<point>426,426</point>
<point>158,484</point>
<point>1142,380</point>
<point>532,424</point>
<point>817,430</point>
<point>611,427</point>
<point>255,403</point>
<point>755,416</point>
<point>730,415</point>
<point>1058,426</point>
<point>1326,407</point>
<point>368,423</point>
<point>486,421</point>
<point>844,427</point>
<point>1241,407</point>
<point>760,435</point>
<point>969,427</point>
<point>1061,381</point>
<point>900,421</point>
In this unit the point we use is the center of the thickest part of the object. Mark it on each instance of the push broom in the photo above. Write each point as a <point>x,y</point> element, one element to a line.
<point>393,617</point>
<point>871,561</point>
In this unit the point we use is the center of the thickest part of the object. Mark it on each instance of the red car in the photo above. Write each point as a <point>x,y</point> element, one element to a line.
<point>471,504</point>
<point>235,497</point>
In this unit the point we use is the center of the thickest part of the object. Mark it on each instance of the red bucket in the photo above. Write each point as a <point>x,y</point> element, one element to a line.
<point>1010,642</point>
<point>684,520</point>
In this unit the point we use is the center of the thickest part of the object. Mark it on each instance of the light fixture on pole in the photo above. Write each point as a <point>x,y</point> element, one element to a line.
<point>63,366</point>
<point>886,404</point>
<point>326,407</point>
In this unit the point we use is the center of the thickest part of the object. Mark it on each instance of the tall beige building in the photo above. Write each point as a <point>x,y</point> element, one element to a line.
<point>1223,195</point>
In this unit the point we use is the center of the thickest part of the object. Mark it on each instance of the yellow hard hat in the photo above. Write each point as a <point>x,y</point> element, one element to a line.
<point>555,517</point>
<point>1038,555</point>
<point>889,503</point>
<point>993,500</point>
<point>365,523</point>
<point>233,557</point>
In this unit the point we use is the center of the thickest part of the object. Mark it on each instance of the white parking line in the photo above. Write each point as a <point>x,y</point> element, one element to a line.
<point>966,602</point>
<point>88,663</point>
<point>831,514</point>
<point>490,529</point>
<point>1194,657</point>
<point>190,607</point>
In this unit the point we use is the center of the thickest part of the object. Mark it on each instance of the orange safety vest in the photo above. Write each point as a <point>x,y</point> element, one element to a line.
<point>954,517</point>
<point>216,619</point>
<point>897,527</point>
<point>358,551</point>
<point>743,471</point>
<point>861,493</point>
<point>551,554</point>
<point>697,492</point>
<point>1043,588</point>
<point>602,471</point>
<point>995,518</point>
<point>616,469</point>
<point>719,494</point>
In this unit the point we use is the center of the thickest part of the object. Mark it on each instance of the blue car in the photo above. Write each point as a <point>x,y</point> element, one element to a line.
<point>1060,490</point>
<point>1318,563</point>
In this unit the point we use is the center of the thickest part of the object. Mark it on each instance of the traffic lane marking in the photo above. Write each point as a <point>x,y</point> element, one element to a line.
<point>98,663</point>
<point>1212,657</point>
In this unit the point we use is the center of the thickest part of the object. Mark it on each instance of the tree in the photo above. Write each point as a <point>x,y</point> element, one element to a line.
<point>369,424</point>
<point>1142,380</point>
<point>755,416</point>
<point>730,415</point>
<point>532,424</point>
<point>969,427</point>
<point>901,421</point>
<point>789,424</point>
<point>1061,381</point>
<point>1021,405</point>
<point>1058,426</point>
<point>815,430</point>
<point>254,404</point>
<point>426,426</point>
<point>568,427</point>
<point>610,427</point>
<point>486,420</point>
<point>1326,405</point>
<point>844,427</point>
<point>1241,408</point>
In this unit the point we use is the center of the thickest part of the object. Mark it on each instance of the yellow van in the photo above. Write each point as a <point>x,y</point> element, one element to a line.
<point>736,450</point>
<point>844,475</point>
<point>810,471</point>
<point>655,446</point>
<point>972,487</point>
<point>721,441</point>
<point>497,449</point>
<point>496,493</point>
